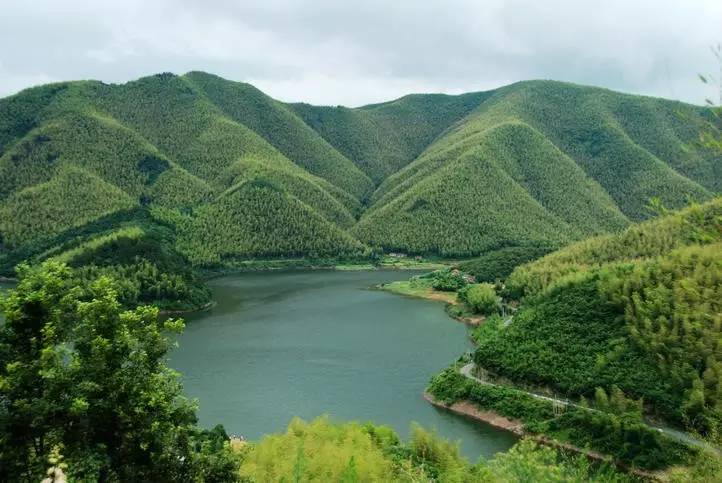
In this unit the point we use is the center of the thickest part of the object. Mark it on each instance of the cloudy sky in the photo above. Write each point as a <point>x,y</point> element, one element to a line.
<point>356,52</point>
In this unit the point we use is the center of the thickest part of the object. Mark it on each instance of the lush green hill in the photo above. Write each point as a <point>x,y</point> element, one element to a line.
<point>277,124</point>
<point>640,310</point>
<point>694,225</point>
<point>503,187</point>
<point>535,164</point>
<point>78,158</point>
<point>49,208</point>
<point>586,155</point>
<point>257,219</point>
<point>383,138</point>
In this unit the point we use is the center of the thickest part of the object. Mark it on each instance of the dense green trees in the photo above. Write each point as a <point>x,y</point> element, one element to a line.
<point>621,435</point>
<point>257,220</point>
<point>696,224</point>
<point>588,127</point>
<point>71,199</point>
<point>673,311</point>
<point>447,280</point>
<point>498,264</point>
<point>275,122</point>
<point>383,138</point>
<point>481,298</point>
<point>639,310</point>
<point>514,171</point>
<point>350,452</point>
<point>83,378</point>
<point>506,198</point>
<point>572,341</point>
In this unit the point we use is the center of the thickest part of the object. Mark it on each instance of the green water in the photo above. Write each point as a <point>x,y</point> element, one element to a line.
<point>304,344</point>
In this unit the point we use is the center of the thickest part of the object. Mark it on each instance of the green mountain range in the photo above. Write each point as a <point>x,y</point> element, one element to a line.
<point>197,171</point>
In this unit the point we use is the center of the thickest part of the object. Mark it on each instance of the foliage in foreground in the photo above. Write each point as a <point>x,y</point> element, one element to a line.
<point>82,378</point>
<point>321,450</point>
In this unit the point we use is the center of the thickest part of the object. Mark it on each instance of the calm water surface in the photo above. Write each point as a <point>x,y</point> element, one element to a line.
<point>304,344</point>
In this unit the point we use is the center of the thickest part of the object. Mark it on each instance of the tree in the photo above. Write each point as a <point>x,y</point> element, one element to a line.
<point>482,298</point>
<point>448,280</point>
<point>83,378</point>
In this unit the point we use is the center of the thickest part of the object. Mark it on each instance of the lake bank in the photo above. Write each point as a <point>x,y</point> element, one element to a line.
<point>454,308</point>
<point>306,264</point>
<point>468,409</point>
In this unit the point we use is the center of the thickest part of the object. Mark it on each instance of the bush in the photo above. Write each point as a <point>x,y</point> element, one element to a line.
<point>448,280</point>
<point>481,298</point>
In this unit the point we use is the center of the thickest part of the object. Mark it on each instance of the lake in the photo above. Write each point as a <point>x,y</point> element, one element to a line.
<point>308,343</point>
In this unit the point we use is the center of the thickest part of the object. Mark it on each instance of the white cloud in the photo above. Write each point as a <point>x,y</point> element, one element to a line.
<point>355,52</point>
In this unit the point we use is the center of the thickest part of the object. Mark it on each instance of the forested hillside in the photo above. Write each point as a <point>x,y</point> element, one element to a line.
<point>383,138</point>
<point>639,310</point>
<point>227,174</point>
<point>581,156</point>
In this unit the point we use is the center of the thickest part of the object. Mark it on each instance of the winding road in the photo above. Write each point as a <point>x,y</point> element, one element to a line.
<point>674,434</point>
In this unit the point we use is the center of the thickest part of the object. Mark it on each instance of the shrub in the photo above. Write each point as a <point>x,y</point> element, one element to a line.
<point>481,298</point>
<point>448,280</point>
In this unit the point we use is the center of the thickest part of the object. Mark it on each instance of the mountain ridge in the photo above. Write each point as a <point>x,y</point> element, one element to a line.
<point>529,164</point>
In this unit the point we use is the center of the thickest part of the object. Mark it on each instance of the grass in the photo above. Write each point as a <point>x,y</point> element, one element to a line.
<point>412,288</point>
<point>421,287</point>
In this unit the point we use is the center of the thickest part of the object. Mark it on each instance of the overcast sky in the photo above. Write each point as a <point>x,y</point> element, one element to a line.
<point>352,53</point>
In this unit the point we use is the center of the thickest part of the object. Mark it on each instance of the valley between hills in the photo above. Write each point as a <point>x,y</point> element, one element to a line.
<point>579,228</point>
<point>168,178</point>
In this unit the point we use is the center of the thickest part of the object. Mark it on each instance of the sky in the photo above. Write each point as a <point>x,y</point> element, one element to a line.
<point>349,52</point>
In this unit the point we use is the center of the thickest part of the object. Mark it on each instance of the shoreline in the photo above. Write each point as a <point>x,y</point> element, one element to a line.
<point>448,298</point>
<point>280,265</point>
<point>470,410</point>
<point>8,279</point>
<point>203,307</point>
<point>335,268</point>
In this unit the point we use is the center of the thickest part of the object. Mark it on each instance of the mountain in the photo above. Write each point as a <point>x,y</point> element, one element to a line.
<point>218,172</point>
<point>383,138</point>
<point>561,160</point>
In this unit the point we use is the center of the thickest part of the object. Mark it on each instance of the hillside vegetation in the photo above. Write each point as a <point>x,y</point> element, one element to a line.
<point>330,451</point>
<point>640,311</point>
<point>230,175</point>
<point>383,138</point>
